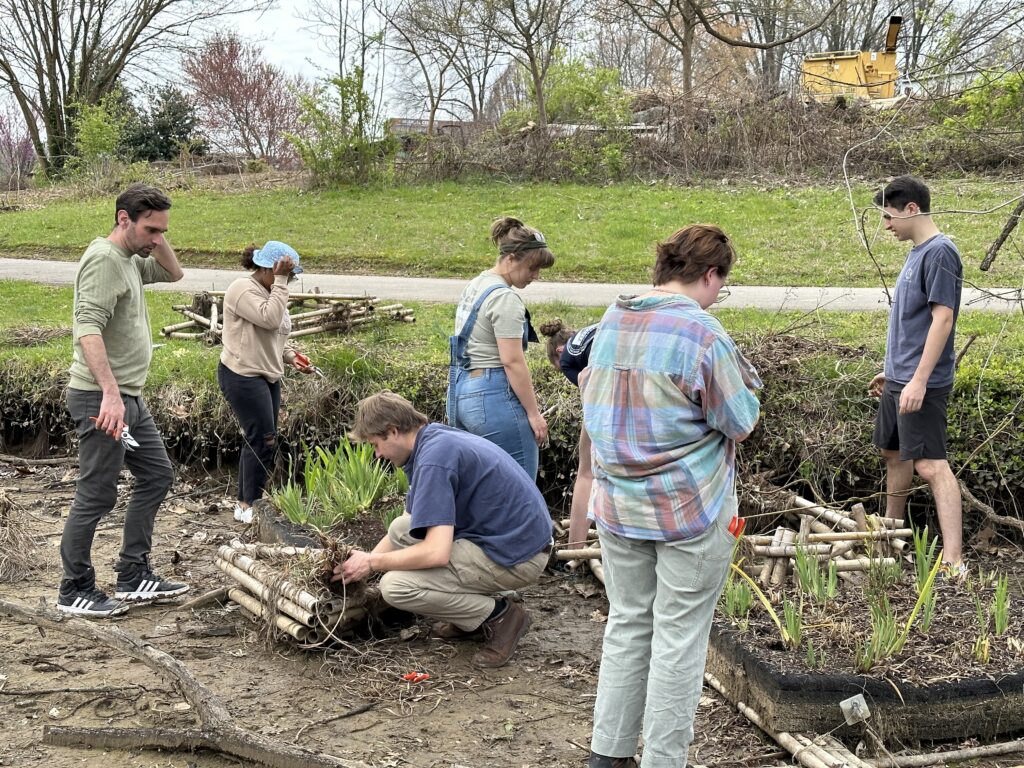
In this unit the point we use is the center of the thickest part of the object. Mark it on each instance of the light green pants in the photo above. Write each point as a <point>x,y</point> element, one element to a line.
<point>460,592</point>
<point>661,598</point>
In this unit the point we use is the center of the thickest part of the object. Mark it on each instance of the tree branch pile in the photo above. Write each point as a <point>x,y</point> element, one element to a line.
<point>311,313</point>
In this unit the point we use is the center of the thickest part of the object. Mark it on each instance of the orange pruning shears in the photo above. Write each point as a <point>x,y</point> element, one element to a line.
<point>302,360</point>
<point>736,526</point>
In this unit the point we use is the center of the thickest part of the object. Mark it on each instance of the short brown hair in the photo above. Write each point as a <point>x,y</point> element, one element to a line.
<point>378,414</point>
<point>692,251</point>
<point>558,336</point>
<point>520,242</point>
<point>139,198</point>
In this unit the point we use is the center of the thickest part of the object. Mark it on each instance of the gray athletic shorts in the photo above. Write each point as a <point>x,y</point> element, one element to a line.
<point>918,435</point>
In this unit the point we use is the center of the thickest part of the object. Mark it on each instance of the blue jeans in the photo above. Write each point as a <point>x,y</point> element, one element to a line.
<point>661,598</point>
<point>485,405</point>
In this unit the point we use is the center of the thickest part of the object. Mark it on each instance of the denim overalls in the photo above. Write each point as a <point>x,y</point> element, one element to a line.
<point>484,403</point>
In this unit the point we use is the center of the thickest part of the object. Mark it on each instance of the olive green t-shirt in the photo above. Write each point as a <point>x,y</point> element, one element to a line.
<point>109,301</point>
<point>502,316</point>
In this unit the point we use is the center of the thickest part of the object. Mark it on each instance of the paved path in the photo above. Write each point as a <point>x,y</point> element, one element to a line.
<point>448,290</point>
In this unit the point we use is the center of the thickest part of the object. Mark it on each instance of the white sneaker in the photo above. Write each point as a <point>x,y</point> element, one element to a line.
<point>243,515</point>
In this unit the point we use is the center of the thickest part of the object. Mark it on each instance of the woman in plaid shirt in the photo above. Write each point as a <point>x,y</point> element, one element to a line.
<point>666,397</point>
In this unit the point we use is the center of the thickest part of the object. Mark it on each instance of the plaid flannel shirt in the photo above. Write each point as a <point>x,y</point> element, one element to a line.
<point>665,398</point>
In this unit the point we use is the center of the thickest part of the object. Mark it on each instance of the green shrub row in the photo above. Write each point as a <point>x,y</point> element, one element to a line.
<point>814,436</point>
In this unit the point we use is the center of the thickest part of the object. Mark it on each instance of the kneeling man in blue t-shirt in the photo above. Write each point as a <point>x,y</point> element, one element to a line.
<point>475,525</point>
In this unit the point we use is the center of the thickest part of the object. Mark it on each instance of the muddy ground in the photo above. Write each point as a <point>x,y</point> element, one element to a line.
<point>535,712</point>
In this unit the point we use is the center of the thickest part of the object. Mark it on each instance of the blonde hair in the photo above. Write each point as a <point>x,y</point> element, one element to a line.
<point>378,414</point>
<point>517,241</point>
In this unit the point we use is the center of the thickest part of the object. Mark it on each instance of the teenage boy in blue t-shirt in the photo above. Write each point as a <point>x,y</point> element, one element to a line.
<point>910,428</point>
<point>475,525</point>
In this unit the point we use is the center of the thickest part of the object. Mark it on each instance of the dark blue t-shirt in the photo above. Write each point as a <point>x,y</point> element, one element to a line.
<point>576,353</point>
<point>932,274</point>
<point>462,480</point>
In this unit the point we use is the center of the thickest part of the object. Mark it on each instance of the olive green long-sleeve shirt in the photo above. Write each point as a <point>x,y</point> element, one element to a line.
<point>109,301</point>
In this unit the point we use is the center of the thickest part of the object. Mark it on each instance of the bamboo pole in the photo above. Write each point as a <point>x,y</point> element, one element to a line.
<point>199,319</point>
<point>268,575</point>
<point>265,593</point>
<point>782,563</point>
<point>590,553</point>
<point>838,536</point>
<point>180,335</point>
<point>213,317</point>
<point>783,738</point>
<point>852,565</point>
<point>769,564</point>
<point>789,550</point>
<point>836,518</point>
<point>269,550</point>
<point>319,296</point>
<point>944,758</point>
<point>254,606</point>
<point>597,568</point>
<point>178,327</point>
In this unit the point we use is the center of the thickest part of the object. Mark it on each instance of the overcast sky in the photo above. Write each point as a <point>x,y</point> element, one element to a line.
<point>286,40</point>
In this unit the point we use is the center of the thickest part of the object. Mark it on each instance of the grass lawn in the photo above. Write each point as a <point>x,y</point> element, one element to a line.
<point>23,304</point>
<point>792,236</point>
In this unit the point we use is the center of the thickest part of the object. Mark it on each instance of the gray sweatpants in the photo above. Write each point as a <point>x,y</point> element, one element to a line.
<point>661,599</point>
<point>100,458</point>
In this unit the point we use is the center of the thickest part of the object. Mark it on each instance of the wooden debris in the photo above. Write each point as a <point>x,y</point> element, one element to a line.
<point>329,313</point>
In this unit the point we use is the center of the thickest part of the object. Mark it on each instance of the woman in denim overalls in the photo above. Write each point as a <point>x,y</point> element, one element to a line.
<point>490,393</point>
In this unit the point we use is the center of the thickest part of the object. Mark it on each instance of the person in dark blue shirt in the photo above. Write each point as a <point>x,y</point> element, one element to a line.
<point>475,525</point>
<point>569,351</point>
<point>913,389</point>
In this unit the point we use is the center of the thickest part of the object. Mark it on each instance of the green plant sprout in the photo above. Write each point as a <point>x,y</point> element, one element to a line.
<point>924,555</point>
<point>1001,606</point>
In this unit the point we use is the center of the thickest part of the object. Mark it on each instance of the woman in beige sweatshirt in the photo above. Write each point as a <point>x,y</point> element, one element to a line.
<point>255,337</point>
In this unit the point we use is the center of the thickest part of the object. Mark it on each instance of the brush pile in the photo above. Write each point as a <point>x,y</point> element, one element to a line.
<point>18,556</point>
<point>311,313</point>
<point>288,590</point>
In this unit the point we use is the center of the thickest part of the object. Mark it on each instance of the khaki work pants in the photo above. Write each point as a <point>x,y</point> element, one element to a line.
<point>460,592</point>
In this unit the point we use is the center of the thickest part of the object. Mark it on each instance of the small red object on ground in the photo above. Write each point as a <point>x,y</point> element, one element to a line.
<point>416,677</point>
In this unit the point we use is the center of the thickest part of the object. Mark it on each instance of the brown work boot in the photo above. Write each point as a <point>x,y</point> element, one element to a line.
<point>600,761</point>
<point>503,634</point>
<point>448,631</point>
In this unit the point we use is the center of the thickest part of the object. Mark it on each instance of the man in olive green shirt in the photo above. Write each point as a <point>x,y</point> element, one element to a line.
<point>112,352</point>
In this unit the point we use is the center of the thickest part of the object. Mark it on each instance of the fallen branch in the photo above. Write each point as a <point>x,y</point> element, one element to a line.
<point>217,595</point>
<point>1011,224</point>
<point>217,732</point>
<point>985,509</point>
<point>57,461</point>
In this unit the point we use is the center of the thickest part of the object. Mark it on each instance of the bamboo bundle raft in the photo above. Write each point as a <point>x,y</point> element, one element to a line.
<point>283,588</point>
<point>854,541</point>
<point>311,313</point>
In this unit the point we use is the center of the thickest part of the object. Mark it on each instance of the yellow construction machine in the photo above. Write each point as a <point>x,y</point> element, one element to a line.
<point>869,75</point>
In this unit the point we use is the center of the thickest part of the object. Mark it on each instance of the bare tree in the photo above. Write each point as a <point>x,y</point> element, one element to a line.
<point>533,30</point>
<point>57,54</point>
<point>621,41</point>
<point>421,37</point>
<point>354,32</point>
<point>674,22</point>
<point>245,104</point>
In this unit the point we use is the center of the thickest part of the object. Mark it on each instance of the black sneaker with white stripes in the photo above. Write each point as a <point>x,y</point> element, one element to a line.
<point>88,601</point>
<point>136,582</point>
